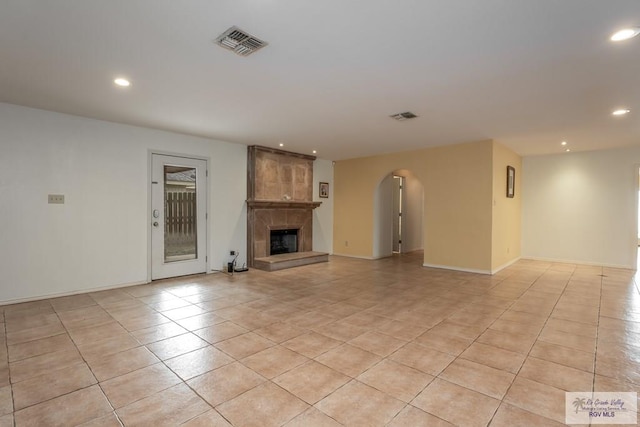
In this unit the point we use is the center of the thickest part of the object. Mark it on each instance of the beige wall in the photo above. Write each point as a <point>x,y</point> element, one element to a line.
<point>506,234</point>
<point>458,192</point>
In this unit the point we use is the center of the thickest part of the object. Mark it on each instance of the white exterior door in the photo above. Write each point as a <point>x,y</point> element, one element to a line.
<point>178,217</point>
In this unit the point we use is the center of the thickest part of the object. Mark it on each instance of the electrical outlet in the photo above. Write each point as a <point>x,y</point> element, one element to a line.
<point>232,252</point>
<point>56,199</point>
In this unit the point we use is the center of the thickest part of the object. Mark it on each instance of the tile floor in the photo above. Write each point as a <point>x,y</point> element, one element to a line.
<point>349,342</point>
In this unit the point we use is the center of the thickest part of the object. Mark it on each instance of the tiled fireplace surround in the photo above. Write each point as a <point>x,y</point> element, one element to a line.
<point>279,197</point>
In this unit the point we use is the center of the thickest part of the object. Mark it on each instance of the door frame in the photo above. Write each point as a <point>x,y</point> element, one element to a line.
<point>150,153</point>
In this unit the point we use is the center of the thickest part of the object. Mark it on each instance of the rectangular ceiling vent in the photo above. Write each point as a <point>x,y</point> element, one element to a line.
<point>403,116</point>
<point>240,42</point>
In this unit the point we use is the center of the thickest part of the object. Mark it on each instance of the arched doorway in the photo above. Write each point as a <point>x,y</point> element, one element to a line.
<point>398,214</point>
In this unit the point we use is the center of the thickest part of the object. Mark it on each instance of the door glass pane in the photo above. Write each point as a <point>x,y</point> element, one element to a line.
<point>180,237</point>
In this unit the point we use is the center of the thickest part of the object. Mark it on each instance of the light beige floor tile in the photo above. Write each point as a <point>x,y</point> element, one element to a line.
<point>200,321</point>
<point>311,344</point>
<point>244,345</point>
<point>33,334</point>
<point>6,400</point>
<point>175,346</point>
<point>377,343</point>
<point>564,356</point>
<point>52,384</point>
<point>567,339</point>
<point>158,332</point>
<point>110,420</point>
<point>225,383</point>
<point>358,404</point>
<point>270,404</point>
<point>313,418</point>
<point>72,302</point>
<point>577,328</point>
<point>67,410</point>
<point>516,327</point>
<point>220,332</point>
<point>559,376</point>
<point>311,381</point>
<point>280,332</point>
<point>411,416</point>
<point>494,357</point>
<point>511,416</point>
<point>508,341</point>
<point>143,321</point>
<point>396,380</point>
<point>139,384</point>
<point>446,344</point>
<point>38,347</point>
<point>122,363</point>
<point>274,361</point>
<point>373,304</point>
<point>84,317</point>
<point>537,398</point>
<point>481,378</point>
<point>198,362</point>
<point>340,330</point>
<point>402,330</point>
<point>349,360</point>
<point>170,407</point>
<point>455,404</point>
<point>422,358</point>
<point>91,334</point>
<point>38,365</point>
<point>211,418</point>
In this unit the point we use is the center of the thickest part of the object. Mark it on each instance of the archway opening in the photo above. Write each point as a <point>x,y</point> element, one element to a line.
<point>398,214</point>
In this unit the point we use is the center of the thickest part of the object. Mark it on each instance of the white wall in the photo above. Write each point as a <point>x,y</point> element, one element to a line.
<point>98,238</point>
<point>581,207</point>
<point>323,214</point>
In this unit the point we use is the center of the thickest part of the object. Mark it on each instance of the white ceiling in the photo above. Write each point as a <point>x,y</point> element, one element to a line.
<point>528,73</point>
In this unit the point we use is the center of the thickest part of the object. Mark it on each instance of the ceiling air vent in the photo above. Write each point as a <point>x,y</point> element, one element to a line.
<point>403,116</point>
<point>240,42</point>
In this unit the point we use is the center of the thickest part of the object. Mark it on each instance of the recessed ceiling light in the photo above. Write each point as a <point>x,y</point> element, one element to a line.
<point>281,144</point>
<point>122,82</point>
<point>563,143</point>
<point>621,112</point>
<point>625,34</point>
<point>567,150</point>
<point>314,151</point>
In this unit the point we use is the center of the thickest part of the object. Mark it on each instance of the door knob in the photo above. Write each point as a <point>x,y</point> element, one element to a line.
<point>155,223</point>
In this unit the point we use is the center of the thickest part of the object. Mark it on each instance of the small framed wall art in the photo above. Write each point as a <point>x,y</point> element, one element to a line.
<point>511,182</point>
<point>324,190</point>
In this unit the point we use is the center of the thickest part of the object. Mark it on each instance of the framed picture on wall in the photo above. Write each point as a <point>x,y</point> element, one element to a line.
<point>324,190</point>
<point>511,181</point>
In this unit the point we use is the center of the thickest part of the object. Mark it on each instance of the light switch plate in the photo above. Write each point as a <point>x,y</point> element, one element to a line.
<point>56,199</point>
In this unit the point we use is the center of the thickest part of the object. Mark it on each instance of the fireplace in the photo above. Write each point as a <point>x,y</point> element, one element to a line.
<point>283,241</point>
<point>280,209</point>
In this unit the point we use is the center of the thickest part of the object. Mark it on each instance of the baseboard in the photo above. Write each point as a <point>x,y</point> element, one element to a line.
<point>370,258</point>
<point>503,266</point>
<point>67,294</point>
<point>569,261</point>
<point>464,270</point>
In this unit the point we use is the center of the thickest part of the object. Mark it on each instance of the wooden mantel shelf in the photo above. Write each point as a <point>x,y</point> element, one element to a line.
<point>281,204</point>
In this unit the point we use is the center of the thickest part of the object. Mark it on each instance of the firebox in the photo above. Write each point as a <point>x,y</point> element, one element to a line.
<point>283,241</point>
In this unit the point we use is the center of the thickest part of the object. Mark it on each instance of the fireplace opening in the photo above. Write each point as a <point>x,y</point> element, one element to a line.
<point>284,241</point>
